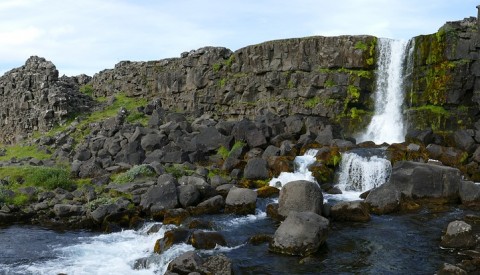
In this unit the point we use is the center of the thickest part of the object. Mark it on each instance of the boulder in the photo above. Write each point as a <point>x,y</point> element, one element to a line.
<point>188,195</point>
<point>302,233</point>
<point>300,196</point>
<point>209,139</point>
<point>352,211</point>
<point>219,264</point>
<point>170,238</point>
<point>187,263</point>
<point>449,269</point>
<point>414,180</point>
<point>175,216</point>
<point>68,210</point>
<point>256,169</point>
<point>459,234</point>
<point>206,239</point>
<point>160,197</point>
<point>469,192</point>
<point>464,140</point>
<point>241,201</point>
<point>267,191</point>
<point>151,142</point>
<point>213,205</point>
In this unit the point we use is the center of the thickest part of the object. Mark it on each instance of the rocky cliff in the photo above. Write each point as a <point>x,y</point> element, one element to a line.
<point>34,98</point>
<point>315,76</point>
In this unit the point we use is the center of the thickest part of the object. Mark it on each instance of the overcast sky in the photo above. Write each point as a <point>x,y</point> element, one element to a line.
<point>87,36</point>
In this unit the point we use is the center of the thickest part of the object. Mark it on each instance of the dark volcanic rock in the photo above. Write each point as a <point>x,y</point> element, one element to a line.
<point>302,233</point>
<point>459,235</point>
<point>241,201</point>
<point>300,196</point>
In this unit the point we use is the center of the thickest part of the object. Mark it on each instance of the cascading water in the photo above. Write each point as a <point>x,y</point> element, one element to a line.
<point>364,169</point>
<point>301,170</point>
<point>387,123</point>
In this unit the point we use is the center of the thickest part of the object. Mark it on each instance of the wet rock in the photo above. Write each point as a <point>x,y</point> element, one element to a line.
<point>170,238</point>
<point>200,224</point>
<point>300,196</point>
<point>459,234</point>
<point>206,239</point>
<point>267,191</point>
<point>302,233</point>
<point>186,263</point>
<point>449,269</point>
<point>260,238</point>
<point>175,216</point>
<point>384,200</point>
<point>272,212</point>
<point>354,211</point>
<point>218,264</point>
<point>464,140</point>
<point>241,201</point>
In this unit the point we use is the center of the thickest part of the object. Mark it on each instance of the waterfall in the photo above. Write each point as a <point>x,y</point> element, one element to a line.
<point>387,123</point>
<point>363,169</point>
<point>301,172</point>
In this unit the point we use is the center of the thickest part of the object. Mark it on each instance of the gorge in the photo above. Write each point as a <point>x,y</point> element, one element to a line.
<point>210,152</point>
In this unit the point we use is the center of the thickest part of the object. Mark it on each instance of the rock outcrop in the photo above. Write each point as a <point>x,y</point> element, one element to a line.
<point>34,98</point>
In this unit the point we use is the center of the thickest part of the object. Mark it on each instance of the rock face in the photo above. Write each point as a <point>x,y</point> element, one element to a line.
<point>302,233</point>
<point>415,181</point>
<point>298,75</point>
<point>33,97</point>
<point>300,196</point>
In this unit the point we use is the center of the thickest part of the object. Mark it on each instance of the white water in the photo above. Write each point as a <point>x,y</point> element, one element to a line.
<point>387,123</point>
<point>301,170</point>
<point>113,253</point>
<point>358,174</point>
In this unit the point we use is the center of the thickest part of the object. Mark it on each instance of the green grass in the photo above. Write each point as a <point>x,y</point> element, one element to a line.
<point>360,45</point>
<point>439,110</point>
<point>329,83</point>
<point>23,151</point>
<point>225,153</point>
<point>137,117</point>
<point>47,178</point>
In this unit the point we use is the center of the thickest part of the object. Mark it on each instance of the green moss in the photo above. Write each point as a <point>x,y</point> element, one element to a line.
<point>222,82</point>
<point>360,45</point>
<point>178,170</point>
<point>225,153</point>
<point>229,62</point>
<point>312,102</point>
<point>329,83</point>
<point>353,93</point>
<point>290,84</point>
<point>329,102</point>
<point>358,73</point>
<point>429,116</point>
<point>87,89</point>
<point>217,66</point>
<point>137,117</point>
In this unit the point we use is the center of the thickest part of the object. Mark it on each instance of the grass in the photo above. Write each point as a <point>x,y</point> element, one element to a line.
<point>360,45</point>
<point>38,176</point>
<point>87,89</point>
<point>178,170</point>
<point>22,151</point>
<point>225,153</point>
<point>312,102</point>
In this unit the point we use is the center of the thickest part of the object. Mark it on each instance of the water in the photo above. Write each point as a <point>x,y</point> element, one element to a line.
<point>363,169</point>
<point>301,164</point>
<point>387,123</point>
<point>385,245</point>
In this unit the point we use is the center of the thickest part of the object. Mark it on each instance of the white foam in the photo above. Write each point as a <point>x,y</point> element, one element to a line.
<point>301,170</point>
<point>113,253</point>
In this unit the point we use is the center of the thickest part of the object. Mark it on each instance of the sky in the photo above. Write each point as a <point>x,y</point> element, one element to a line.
<point>87,36</point>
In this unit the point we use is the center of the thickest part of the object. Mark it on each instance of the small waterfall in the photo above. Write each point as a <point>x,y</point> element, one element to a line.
<point>301,170</point>
<point>387,123</point>
<point>363,169</point>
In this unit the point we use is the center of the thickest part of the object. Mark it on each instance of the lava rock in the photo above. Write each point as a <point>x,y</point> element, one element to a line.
<point>241,201</point>
<point>459,235</point>
<point>354,211</point>
<point>206,240</point>
<point>300,196</point>
<point>302,233</point>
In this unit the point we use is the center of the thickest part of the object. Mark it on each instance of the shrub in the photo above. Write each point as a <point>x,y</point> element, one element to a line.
<point>135,172</point>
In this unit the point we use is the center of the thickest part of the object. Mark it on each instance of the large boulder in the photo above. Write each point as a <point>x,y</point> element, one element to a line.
<point>300,196</point>
<point>191,263</point>
<point>170,238</point>
<point>354,211</point>
<point>302,233</point>
<point>212,205</point>
<point>160,197</point>
<point>414,180</point>
<point>206,239</point>
<point>459,235</point>
<point>241,201</point>
<point>188,195</point>
<point>209,139</point>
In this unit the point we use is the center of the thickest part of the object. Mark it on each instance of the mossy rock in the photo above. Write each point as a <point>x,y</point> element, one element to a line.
<point>175,216</point>
<point>321,172</point>
<point>170,238</point>
<point>267,191</point>
<point>401,151</point>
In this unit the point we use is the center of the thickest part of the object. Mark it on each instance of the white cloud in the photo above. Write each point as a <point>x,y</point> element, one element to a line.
<point>89,35</point>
